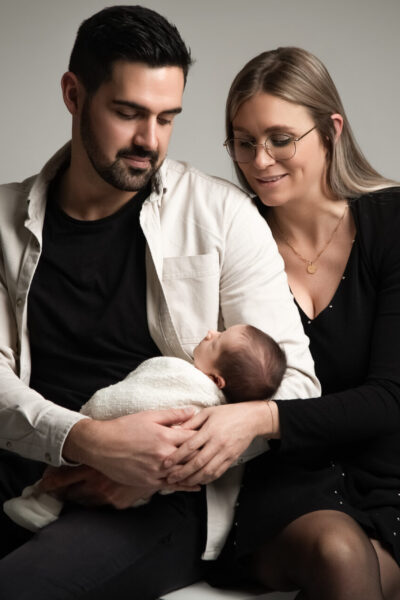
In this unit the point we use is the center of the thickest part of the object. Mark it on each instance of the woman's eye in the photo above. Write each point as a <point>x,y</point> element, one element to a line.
<point>243,144</point>
<point>280,140</point>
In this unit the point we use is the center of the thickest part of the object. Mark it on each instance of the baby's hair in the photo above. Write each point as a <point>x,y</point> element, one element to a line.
<point>253,369</point>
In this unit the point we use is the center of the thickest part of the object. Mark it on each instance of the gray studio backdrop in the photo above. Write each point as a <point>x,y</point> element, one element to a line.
<point>358,40</point>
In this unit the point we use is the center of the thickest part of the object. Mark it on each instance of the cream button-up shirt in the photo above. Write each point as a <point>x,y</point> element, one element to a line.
<point>211,262</point>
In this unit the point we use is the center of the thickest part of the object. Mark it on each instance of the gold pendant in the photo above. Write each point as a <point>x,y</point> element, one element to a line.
<point>311,268</point>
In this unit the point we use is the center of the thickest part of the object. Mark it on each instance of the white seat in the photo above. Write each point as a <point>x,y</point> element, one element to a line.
<point>202,591</point>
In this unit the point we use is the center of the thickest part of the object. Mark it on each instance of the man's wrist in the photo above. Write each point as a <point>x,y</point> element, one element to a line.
<point>79,442</point>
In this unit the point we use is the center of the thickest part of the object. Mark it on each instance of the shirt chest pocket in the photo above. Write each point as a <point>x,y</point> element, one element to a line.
<point>191,286</point>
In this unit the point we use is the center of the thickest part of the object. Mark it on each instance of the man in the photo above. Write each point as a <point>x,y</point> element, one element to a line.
<point>111,255</point>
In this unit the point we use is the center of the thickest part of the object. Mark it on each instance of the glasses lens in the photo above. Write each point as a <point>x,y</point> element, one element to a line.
<point>241,151</point>
<point>281,146</point>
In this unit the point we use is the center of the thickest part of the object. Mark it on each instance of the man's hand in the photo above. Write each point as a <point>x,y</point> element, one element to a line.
<point>224,432</point>
<point>88,487</point>
<point>131,449</point>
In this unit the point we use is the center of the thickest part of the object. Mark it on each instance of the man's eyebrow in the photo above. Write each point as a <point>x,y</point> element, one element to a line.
<point>136,106</point>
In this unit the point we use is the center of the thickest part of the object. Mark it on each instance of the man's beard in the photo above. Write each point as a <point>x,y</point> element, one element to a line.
<point>117,173</point>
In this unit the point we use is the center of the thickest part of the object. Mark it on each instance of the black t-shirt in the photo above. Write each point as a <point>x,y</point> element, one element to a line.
<point>87,304</point>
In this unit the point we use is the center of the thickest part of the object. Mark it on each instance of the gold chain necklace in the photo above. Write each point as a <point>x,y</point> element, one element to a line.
<point>311,266</point>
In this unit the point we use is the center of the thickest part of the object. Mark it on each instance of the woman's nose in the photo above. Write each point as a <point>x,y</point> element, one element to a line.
<point>262,159</point>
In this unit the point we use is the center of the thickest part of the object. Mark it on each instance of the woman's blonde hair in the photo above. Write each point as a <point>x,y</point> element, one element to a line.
<point>300,77</point>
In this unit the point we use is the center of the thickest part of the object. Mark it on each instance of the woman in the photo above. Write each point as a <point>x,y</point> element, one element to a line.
<point>332,488</point>
<point>321,511</point>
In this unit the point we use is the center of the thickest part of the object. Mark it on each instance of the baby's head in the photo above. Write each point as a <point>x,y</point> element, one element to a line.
<point>243,361</point>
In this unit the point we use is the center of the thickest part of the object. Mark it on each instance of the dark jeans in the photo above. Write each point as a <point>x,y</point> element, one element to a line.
<point>102,554</point>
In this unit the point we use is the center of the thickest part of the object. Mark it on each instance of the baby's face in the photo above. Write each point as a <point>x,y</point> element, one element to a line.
<point>206,354</point>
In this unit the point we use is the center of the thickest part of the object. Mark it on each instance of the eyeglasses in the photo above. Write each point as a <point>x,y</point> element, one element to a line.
<point>279,146</point>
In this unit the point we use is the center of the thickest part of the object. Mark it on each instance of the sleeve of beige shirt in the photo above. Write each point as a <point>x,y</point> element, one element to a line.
<point>30,425</point>
<point>254,290</point>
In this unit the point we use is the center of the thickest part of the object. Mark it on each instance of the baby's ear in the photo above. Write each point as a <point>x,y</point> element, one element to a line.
<point>218,380</point>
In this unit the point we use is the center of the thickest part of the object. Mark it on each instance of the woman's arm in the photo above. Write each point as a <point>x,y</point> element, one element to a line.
<point>373,408</point>
<point>366,411</point>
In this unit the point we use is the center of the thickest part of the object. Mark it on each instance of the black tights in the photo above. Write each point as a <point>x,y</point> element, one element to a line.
<point>327,556</point>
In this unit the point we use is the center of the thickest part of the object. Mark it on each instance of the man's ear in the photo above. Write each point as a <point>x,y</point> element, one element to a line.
<point>73,92</point>
<point>218,380</point>
<point>338,124</point>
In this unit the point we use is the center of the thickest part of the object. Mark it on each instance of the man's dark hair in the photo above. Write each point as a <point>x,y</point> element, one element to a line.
<point>253,369</point>
<point>130,33</point>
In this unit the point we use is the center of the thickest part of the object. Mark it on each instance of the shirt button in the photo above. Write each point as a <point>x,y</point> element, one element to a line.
<point>397,518</point>
<point>335,492</point>
<point>330,306</point>
<point>308,322</point>
<point>8,445</point>
<point>47,457</point>
<point>394,533</point>
<point>19,301</point>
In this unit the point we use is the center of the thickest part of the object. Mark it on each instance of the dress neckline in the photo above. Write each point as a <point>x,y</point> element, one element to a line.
<point>331,302</point>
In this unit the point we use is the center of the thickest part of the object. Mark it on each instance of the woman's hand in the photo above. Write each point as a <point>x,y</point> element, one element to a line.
<point>224,432</point>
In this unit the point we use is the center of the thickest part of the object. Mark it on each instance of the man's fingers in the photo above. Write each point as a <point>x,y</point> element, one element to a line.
<point>196,421</point>
<point>178,436</point>
<point>173,416</point>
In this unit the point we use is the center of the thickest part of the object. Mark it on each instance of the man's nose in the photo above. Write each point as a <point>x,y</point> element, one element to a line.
<point>146,134</point>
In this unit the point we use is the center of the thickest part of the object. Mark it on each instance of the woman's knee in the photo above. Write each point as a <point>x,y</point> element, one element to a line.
<point>322,540</point>
<point>333,542</point>
<point>341,548</point>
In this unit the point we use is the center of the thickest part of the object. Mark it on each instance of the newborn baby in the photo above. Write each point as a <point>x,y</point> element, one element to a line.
<point>239,364</point>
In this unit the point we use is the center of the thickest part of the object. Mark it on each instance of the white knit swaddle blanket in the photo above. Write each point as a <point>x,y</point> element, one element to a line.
<point>158,383</point>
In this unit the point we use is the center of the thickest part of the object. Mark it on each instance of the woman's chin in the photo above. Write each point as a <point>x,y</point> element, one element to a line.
<point>271,199</point>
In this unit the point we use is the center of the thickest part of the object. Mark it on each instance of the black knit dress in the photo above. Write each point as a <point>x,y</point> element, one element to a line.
<point>341,451</point>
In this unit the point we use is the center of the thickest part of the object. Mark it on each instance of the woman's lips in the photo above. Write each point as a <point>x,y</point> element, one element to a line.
<point>270,180</point>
